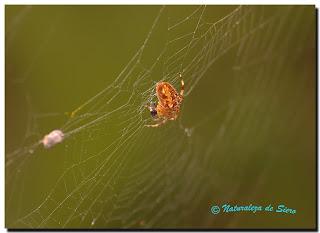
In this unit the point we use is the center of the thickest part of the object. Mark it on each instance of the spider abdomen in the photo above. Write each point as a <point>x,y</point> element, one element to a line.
<point>167,95</point>
<point>169,101</point>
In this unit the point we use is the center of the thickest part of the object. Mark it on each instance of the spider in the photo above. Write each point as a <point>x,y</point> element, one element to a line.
<point>169,101</point>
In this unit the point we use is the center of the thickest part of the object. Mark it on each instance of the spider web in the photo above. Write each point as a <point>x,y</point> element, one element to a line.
<point>111,171</point>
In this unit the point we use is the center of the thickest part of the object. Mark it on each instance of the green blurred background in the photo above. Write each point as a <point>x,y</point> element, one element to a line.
<point>251,118</point>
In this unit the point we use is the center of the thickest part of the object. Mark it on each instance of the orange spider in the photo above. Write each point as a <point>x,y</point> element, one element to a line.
<point>169,101</point>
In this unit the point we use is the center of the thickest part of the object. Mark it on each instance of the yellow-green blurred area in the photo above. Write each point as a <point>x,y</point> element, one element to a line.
<point>246,132</point>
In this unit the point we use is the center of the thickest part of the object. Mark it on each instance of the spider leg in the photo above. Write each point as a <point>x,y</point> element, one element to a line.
<point>148,106</point>
<point>151,106</point>
<point>157,125</point>
<point>182,85</point>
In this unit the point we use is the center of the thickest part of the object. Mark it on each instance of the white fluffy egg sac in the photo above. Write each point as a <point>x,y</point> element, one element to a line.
<point>53,138</point>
